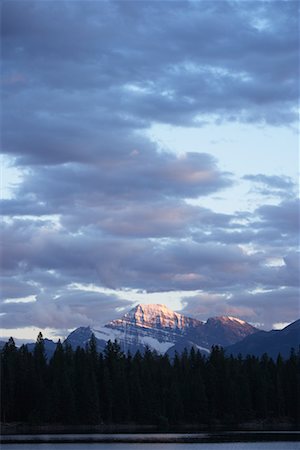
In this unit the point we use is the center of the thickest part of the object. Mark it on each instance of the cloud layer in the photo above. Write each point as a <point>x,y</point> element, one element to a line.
<point>99,203</point>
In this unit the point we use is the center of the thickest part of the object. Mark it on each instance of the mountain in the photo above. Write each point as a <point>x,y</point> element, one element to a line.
<point>79,337</point>
<point>271,342</point>
<point>223,331</point>
<point>153,326</point>
<point>161,329</point>
<point>50,347</point>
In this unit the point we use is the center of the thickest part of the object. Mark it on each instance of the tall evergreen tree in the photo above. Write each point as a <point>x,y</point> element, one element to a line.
<point>61,403</point>
<point>40,381</point>
<point>25,384</point>
<point>84,387</point>
<point>9,371</point>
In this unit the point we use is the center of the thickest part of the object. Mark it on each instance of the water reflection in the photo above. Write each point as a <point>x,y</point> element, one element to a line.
<point>220,441</point>
<point>158,446</point>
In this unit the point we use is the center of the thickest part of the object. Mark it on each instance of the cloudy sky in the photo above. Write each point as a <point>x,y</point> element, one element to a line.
<point>150,154</point>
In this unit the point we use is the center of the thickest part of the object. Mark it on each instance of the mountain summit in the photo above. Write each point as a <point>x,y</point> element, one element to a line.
<point>154,316</point>
<point>159,328</point>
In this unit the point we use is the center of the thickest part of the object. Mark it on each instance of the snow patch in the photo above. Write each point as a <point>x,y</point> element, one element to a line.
<point>204,349</point>
<point>107,334</point>
<point>234,319</point>
<point>154,344</point>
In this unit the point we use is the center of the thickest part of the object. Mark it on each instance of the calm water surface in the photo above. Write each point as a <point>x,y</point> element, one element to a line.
<point>117,446</point>
<point>164,441</point>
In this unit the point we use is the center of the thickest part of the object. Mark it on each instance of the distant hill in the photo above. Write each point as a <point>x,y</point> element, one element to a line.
<point>50,347</point>
<point>270,342</point>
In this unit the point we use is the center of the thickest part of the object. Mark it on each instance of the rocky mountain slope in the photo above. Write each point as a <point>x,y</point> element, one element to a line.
<point>161,329</point>
<point>270,342</point>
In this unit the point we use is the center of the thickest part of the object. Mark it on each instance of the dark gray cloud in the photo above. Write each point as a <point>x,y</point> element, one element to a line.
<point>72,309</point>
<point>89,256</point>
<point>132,177</point>
<point>269,226</point>
<point>67,74</point>
<point>284,217</point>
<point>263,308</point>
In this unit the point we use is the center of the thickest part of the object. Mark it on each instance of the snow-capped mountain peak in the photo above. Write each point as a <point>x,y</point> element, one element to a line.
<point>235,319</point>
<point>226,319</point>
<point>161,329</point>
<point>153,316</point>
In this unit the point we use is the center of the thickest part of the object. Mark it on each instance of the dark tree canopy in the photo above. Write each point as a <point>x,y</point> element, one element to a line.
<point>85,387</point>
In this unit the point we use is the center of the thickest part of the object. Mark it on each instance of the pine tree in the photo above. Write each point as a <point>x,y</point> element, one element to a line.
<point>61,401</point>
<point>25,386</point>
<point>9,369</point>
<point>85,389</point>
<point>40,382</point>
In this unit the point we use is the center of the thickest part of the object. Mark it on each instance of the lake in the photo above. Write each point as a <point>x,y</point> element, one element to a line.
<point>166,441</point>
<point>199,446</point>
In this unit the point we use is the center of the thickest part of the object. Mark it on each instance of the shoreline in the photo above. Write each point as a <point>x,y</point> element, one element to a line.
<point>7,429</point>
<point>217,437</point>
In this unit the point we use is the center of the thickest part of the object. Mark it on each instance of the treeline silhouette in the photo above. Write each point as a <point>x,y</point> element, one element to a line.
<point>87,387</point>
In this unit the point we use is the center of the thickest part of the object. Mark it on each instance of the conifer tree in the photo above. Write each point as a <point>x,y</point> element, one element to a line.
<point>9,369</point>
<point>61,401</point>
<point>25,387</point>
<point>85,387</point>
<point>40,384</point>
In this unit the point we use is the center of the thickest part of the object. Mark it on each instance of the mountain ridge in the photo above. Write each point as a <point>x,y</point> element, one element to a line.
<point>157,327</point>
<point>154,315</point>
<point>271,342</point>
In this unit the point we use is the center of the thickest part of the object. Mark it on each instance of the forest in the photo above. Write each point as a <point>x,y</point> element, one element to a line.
<point>83,386</point>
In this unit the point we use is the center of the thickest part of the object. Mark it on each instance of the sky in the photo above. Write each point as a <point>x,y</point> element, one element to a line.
<point>150,154</point>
